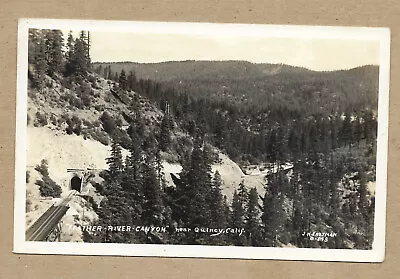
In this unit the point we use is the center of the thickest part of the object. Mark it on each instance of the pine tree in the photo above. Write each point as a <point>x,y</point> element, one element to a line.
<point>217,206</point>
<point>117,207</point>
<point>41,66</point>
<point>123,199</point>
<point>122,80</point>
<point>110,75</point>
<point>115,163</point>
<point>299,220</point>
<point>88,45</point>
<point>193,192</point>
<point>132,182</point>
<point>160,169</point>
<point>55,56</point>
<point>227,210</point>
<point>131,81</point>
<point>165,133</point>
<point>37,57</point>
<point>152,206</point>
<point>78,59</point>
<point>243,194</point>
<point>134,161</point>
<point>238,219</point>
<point>273,215</point>
<point>34,41</point>
<point>253,227</point>
<point>85,39</point>
<point>69,67</point>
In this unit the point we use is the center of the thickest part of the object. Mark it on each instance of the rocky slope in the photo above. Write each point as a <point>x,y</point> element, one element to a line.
<point>49,115</point>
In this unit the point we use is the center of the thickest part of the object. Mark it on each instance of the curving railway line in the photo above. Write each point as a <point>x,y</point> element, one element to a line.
<point>45,224</point>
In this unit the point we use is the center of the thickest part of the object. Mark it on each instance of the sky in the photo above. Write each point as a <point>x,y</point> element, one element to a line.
<point>313,53</point>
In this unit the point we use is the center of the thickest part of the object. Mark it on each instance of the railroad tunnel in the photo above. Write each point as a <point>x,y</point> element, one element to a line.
<point>76,183</point>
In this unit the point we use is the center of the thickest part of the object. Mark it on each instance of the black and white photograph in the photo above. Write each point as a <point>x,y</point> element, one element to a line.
<point>201,140</point>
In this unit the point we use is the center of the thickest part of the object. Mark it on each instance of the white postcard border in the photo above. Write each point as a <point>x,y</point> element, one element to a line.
<point>376,254</point>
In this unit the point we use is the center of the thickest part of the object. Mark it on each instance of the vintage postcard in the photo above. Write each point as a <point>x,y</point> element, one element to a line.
<point>201,140</point>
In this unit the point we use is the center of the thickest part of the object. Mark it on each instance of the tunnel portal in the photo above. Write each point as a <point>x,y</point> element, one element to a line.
<point>76,183</point>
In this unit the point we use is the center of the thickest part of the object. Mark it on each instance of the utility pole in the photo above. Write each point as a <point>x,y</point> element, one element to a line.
<point>166,108</point>
<point>88,44</point>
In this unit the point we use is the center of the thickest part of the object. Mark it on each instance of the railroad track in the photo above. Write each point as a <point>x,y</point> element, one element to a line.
<point>46,223</point>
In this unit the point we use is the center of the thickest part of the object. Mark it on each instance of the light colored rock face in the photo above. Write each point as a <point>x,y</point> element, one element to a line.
<point>63,152</point>
<point>230,172</point>
<point>169,168</point>
<point>232,175</point>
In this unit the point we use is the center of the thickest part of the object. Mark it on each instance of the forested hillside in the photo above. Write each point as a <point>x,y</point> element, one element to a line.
<point>320,124</point>
<point>245,104</point>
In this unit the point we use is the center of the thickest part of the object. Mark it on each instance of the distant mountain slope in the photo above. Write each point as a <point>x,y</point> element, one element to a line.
<point>187,70</point>
<point>184,70</point>
<point>250,84</point>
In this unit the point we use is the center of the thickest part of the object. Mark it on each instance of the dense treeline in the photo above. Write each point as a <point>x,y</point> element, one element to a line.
<point>260,86</point>
<point>253,133</point>
<point>135,193</point>
<point>325,193</point>
<point>333,156</point>
<point>50,55</point>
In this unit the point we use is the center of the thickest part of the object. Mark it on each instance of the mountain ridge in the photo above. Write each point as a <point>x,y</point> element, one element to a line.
<point>191,69</point>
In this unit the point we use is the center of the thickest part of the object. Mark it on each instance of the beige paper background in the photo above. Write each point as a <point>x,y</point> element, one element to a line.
<point>383,13</point>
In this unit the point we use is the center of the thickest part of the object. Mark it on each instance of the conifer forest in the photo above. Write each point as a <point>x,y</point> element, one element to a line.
<point>311,136</point>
